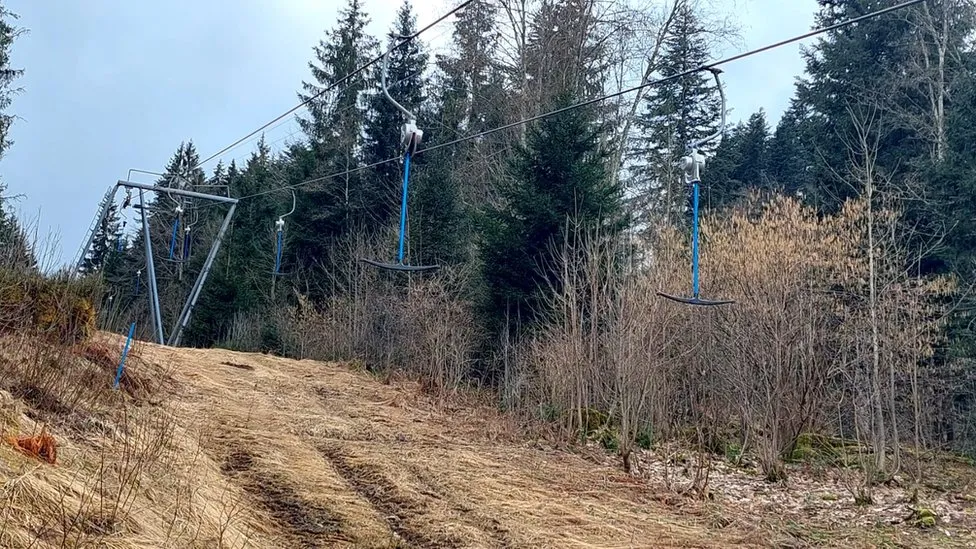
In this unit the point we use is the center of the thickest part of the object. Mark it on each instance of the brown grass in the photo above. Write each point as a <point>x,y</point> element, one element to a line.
<point>259,451</point>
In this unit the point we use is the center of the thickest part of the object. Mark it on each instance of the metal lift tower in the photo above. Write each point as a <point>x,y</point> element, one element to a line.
<point>184,319</point>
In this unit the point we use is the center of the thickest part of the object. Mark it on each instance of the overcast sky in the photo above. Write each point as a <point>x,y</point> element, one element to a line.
<point>117,84</point>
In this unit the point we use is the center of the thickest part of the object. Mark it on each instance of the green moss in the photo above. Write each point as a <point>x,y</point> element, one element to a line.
<point>733,452</point>
<point>924,518</point>
<point>817,448</point>
<point>593,421</point>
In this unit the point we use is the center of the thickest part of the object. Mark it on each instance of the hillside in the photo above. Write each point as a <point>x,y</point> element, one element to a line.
<point>224,449</point>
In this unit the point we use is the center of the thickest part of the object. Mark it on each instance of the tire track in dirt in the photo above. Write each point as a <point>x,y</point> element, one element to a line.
<point>396,507</point>
<point>309,523</point>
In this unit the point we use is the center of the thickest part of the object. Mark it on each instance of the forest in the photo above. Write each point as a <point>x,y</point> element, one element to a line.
<point>846,234</point>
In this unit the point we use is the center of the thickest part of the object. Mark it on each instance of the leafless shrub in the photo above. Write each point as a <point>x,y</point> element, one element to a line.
<point>617,363</point>
<point>421,324</point>
<point>605,358</point>
<point>776,345</point>
<point>438,329</point>
<point>245,332</point>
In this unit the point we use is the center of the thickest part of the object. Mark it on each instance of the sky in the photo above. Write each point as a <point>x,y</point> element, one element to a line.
<point>111,85</point>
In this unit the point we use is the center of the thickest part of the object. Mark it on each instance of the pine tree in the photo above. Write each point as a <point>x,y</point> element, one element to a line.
<point>675,114</point>
<point>558,177</point>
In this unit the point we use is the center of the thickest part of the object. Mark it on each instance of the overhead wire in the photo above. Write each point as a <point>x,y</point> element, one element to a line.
<point>588,102</point>
<point>404,41</point>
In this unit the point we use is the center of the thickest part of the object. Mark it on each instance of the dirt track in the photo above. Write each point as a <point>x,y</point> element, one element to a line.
<point>335,458</point>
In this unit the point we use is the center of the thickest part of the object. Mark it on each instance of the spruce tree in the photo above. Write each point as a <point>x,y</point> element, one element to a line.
<point>740,163</point>
<point>14,241</point>
<point>16,251</point>
<point>558,178</point>
<point>954,186</point>
<point>467,96</point>
<point>675,114</point>
<point>560,56</point>
<point>791,154</point>
<point>752,170</point>
<point>719,184</point>
<point>334,207</point>
<point>335,114</point>
<point>8,33</point>
<point>852,68</point>
<point>105,242</point>
<point>241,283</point>
<point>470,91</point>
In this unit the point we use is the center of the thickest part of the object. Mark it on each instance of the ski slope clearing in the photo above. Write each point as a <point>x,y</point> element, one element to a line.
<point>224,449</point>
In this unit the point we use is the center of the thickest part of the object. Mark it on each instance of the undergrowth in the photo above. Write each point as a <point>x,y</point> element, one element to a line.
<point>79,456</point>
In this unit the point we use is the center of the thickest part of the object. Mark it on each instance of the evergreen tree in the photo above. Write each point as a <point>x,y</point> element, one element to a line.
<point>105,242</point>
<point>954,189</point>
<point>851,68</point>
<point>174,274</point>
<point>675,114</point>
<point>241,282</point>
<point>560,56</point>
<point>470,92</point>
<point>336,114</point>
<point>791,155</point>
<point>334,207</point>
<point>558,178</point>
<point>468,96</point>
<point>17,252</point>
<point>740,163</point>
<point>752,170</point>
<point>719,184</point>
<point>8,33</point>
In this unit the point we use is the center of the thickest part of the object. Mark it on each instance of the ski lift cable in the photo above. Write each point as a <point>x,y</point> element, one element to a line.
<point>586,103</point>
<point>404,40</point>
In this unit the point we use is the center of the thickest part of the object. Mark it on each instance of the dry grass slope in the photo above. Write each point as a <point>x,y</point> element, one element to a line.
<point>248,450</point>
